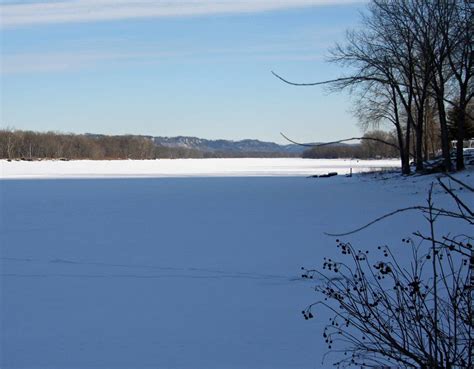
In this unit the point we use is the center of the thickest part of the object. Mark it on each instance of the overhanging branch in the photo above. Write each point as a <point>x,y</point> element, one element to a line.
<point>313,83</point>
<point>424,209</point>
<point>340,141</point>
<point>348,80</point>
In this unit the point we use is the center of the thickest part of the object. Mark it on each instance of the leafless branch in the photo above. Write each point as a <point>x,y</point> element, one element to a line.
<point>339,141</point>
<point>313,83</point>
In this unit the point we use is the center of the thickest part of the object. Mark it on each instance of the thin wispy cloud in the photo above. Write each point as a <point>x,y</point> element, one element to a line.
<point>73,60</point>
<point>65,61</point>
<point>21,13</point>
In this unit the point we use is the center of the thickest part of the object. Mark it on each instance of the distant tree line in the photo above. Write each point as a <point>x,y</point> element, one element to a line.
<point>29,145</point>
<point>366,149</point>
<point>17,144</point>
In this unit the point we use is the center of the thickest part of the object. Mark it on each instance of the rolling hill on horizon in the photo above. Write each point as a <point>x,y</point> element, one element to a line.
<point>228,146</point>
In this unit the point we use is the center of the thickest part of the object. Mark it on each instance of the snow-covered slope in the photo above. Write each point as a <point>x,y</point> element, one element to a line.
<point>185,168</point>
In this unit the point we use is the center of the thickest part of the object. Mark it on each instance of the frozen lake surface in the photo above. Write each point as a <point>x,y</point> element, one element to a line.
<point>186,168</point>
<point>185,273</point>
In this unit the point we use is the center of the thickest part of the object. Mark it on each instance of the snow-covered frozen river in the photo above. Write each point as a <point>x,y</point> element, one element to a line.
<point>186,168</point>
<point>185,273</point>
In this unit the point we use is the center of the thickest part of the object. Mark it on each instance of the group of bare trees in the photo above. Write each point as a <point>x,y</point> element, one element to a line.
<point>410,63</point>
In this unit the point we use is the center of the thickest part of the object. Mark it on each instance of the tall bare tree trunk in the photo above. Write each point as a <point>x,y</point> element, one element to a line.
<point>461,129</point>
<point>406,154</point>
<point>419,140</point>
<point>443,128</point>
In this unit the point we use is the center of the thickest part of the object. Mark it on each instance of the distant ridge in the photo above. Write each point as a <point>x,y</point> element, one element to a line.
<point>248,146</point>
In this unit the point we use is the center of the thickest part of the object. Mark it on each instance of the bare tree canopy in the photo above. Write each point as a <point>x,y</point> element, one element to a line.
<point>410,64</point>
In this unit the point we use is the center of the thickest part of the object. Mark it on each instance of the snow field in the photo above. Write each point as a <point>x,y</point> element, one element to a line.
<point>185,273</point>
<point>185,168</point>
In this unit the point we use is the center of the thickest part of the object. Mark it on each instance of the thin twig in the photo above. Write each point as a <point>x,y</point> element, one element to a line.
<point>376,220</point>
<point>459,182</point>
<point>442,212</point>
<point>456,198</point>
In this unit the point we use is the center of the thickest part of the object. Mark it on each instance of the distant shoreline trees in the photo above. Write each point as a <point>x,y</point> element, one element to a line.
<point>29,145</point>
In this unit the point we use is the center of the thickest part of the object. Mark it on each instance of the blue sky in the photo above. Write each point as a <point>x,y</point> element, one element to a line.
<point>196,68</point>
